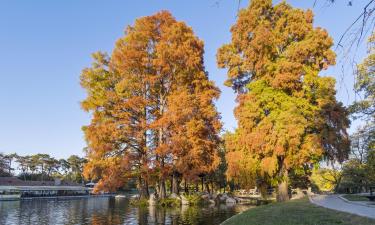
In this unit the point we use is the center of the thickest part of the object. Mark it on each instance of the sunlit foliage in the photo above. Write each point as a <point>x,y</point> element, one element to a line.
<point>152,107</point>
<point>288,116</point>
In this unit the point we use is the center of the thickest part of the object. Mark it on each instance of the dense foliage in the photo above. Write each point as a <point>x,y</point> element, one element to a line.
<point>152,106</point>
<point>288,116</point>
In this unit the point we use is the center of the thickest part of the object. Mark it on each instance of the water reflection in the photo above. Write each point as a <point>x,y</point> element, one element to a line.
<point>109,211</point>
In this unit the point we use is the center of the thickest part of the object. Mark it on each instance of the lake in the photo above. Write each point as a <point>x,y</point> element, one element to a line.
<point>109,210</point>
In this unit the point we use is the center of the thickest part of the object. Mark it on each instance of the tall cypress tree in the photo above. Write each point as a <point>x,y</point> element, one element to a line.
<point>152,105</point>
<point>288,116</point>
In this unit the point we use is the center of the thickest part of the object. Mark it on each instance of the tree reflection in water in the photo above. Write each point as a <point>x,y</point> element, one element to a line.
<point>110,211</point>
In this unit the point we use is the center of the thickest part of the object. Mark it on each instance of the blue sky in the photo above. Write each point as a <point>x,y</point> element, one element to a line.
<point>45,44</point>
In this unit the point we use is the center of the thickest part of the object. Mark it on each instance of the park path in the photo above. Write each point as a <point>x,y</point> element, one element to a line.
<point>336,203</point>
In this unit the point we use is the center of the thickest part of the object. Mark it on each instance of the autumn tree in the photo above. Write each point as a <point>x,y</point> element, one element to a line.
<point>192,135</point>
<point>116,134</point>
<point>152,105</point>
<point>288,116</point>
<point>240,169</point>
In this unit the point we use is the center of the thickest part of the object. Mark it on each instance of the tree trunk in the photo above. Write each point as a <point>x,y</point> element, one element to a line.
<point>175,183</point>
<point>162,191</point>
<point>207,187</point>
<point>10,166</point>
<point>338,182</point>
<point>283,189</point>
<point>143,188</point>
<point>186,187</point>
<point>157,188</point>
<point>171,184</point>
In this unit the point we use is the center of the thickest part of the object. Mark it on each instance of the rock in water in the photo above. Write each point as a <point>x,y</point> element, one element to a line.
<point>173,195</point>
<point>230,200</point>
<point>206,197</point>
<point>222,198</point>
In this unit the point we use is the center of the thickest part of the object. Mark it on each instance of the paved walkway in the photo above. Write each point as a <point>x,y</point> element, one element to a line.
<point>336,203</point>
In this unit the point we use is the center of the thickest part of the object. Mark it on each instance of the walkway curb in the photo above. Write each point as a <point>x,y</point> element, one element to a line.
<point>355,203</point>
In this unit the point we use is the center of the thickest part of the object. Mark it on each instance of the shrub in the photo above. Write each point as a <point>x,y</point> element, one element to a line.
<point>167,202</point>
<point>194,199</point>
<point>143,202</point>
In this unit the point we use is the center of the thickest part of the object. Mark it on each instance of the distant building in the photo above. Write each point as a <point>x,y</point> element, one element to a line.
<point>14,188</point>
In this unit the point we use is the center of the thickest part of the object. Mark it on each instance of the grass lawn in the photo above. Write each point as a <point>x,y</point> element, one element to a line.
<point>356,198</point>
<point>296,212</point>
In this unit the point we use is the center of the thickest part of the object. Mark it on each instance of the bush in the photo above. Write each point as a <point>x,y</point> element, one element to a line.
<point>194,199</point>
<point>143,202</point>
<point>167,202</point>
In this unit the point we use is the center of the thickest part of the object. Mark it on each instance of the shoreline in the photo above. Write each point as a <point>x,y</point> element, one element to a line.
<point>57,197</point>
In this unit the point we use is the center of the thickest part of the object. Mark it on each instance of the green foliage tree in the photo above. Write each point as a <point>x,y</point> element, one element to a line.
<point>326,179</point>
<point>288,116</point>
<point>364,108</point>
<point>64,166</point>
<point>370,168</point>
<point>4,166</point>
<point>354,178</point>
<point>75,164</point>
<point>358,172</point>
<point>23,165</point>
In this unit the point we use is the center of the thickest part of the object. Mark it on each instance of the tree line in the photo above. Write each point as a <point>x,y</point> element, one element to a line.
<point>42,167</point>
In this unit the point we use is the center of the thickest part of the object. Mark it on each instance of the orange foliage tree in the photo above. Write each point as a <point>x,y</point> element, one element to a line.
<point>153,108</point>
<point>288,116</point>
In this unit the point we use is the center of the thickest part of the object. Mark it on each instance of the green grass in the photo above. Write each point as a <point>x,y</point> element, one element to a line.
<point>296,212</point>
<point>356,198</point>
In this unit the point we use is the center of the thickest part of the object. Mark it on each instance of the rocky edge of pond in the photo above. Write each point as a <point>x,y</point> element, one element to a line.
<point>212,199</point>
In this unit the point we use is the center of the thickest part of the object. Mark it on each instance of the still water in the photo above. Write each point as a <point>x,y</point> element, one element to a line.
<point>109,211</point>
